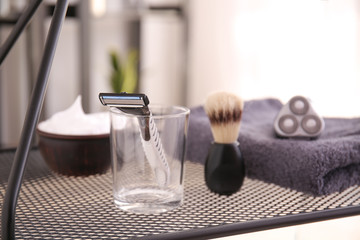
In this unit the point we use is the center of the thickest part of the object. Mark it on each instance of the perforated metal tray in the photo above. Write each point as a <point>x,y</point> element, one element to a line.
<point>57,207</point>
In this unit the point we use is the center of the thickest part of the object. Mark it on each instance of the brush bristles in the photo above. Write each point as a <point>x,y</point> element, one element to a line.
<point>224,111</point>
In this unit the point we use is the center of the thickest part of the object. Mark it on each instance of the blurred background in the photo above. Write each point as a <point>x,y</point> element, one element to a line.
<point>186,49</point>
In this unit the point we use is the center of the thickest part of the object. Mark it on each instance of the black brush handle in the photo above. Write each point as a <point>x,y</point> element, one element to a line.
<point>224,168</point>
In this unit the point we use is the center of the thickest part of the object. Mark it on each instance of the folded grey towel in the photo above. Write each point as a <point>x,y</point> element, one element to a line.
<point>331,163</point>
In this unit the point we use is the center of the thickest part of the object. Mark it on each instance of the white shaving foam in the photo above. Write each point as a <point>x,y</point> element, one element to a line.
<point>73,121</point>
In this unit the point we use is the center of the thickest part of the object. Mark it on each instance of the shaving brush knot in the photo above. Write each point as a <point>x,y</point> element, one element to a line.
<point>224,110</point>
<point>225,116</point>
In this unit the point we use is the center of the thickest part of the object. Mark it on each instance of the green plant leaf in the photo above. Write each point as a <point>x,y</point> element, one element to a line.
<point>116,81</point>
<point>124,77</point>
<point>114,58</point>
<point>130,72</point>
<point>116,78</point>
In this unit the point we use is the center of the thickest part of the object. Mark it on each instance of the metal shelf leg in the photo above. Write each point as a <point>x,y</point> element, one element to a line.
<point>18,28</point>
<point>31,119</point>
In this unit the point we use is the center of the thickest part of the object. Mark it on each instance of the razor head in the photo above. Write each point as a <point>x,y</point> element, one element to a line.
<point>298,119</point>
<point>132,103</point>
<point>124,100</point>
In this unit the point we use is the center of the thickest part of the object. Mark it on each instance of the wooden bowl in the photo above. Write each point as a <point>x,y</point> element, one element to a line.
<point>75,155</point>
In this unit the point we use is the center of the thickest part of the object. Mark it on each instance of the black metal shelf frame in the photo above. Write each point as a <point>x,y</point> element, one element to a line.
<point>52,206</point>
<point>34,108</point>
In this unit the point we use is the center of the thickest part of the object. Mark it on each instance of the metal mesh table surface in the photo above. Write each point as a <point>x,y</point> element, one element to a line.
<point>51,206</point>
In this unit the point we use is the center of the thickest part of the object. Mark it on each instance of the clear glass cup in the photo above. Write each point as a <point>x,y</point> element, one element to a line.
<point>148,158</point>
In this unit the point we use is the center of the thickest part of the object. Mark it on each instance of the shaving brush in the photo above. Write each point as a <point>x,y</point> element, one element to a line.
<point>224,165</point>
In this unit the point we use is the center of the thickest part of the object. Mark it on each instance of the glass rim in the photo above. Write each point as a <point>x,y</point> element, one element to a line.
<point>182,111</point>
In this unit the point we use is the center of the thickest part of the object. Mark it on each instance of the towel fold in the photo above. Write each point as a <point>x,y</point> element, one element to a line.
<point>331,163</point>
